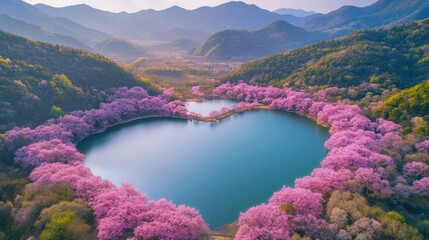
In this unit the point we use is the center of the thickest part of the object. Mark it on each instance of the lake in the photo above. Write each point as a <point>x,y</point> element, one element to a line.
<point>220,168</point>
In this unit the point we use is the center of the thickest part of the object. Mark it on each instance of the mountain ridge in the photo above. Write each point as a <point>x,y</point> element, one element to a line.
<point>34,32</point>
<point>244,45</point>
<point>36,76</point>
<point>295,12</point>
<point>392,56</point>
<point>231,15</point>
<point>380,14</point>
<point>23,11</point>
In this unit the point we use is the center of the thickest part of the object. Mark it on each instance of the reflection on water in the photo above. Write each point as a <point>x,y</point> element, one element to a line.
<point>220,169</point>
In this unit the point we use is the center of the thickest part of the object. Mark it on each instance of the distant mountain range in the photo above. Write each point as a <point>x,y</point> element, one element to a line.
<point>82,26</point>
<point>34,32</point>
<point>150,23</point>
<point>380,14</point>
<point>244,45</point>
<point>294,12</point>
<point>247,45</point>
<point>23,11</point>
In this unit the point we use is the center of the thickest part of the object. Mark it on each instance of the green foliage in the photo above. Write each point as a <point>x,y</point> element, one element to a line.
<point>391,57</point>
<point>62,78</point>
<point>288,208</point>
<point>37,197</point>
<point>56,112</point>
<point>42,210</point>
<point>405,105</point>
<point>79,207</point>
<point>12,181</point>
<point>423,227</point>
<point>66,226</point>
<point>396,216</point>
<point>393,224</point>
<point>44,195</point>
<point>35,76</point>
<point>6,219</point>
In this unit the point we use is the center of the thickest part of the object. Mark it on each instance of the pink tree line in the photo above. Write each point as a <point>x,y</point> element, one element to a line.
<point>355,162</point>
<point>120,212</point>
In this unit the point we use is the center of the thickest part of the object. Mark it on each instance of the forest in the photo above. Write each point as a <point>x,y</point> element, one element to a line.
<point>40,81</point>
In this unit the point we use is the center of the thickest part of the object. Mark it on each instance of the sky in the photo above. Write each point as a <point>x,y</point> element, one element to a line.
<point>322,6</point>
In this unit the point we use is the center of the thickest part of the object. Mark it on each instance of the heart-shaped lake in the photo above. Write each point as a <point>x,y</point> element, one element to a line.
<point>219,168</point>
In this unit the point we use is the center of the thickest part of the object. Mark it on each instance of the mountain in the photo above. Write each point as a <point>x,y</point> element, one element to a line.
<point>36,77</point>
<point>182,44</point>
<point>380,14</point>
<point>120,25</point>
<point>136,26</point>
<point>34,32</point>
<point>242,45</point>
<point>395,57</point>
<point>120,50</point>
<point>294,12</point>
<point>23,11</point>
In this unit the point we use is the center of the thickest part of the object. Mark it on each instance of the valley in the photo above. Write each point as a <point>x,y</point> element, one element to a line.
<point>214,122</point>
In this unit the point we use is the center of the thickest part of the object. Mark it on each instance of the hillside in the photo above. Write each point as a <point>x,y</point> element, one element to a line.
<point>34,32</point>
<point>393,57</point>
<point>240,44</point>
<point>120,50</point>
<point>409,103</point>
<point>181,44</point>
<point>35,78</point>
<point>380,14</point>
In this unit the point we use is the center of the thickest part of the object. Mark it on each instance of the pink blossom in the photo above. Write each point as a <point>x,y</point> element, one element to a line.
<point>385,126</point>
<point>264,222</point>
<point>416,170</point>
<point>51,151</point>
<point>304,201</point>
<point>423,146</point>
<point>196,90</point>
<point>422,186</point>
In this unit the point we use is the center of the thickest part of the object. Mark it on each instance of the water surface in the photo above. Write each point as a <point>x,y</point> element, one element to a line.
<point>219,168</point>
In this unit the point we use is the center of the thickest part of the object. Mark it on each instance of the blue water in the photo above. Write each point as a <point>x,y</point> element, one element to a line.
<point>205,108</point>
<point>220,168</point>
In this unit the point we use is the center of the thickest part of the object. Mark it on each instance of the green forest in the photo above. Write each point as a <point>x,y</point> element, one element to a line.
<point>39,81</point>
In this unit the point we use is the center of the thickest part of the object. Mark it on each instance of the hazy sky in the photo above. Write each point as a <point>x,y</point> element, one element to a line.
<point>136,5</point>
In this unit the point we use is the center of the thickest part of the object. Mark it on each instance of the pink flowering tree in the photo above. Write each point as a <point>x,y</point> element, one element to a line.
<point>120,212</point>
<point>53,151</point>
<point>196,90</point>
<point>423,146</point>
<point>422,186</point>
<point>416,170</point>
<point>358,160</point>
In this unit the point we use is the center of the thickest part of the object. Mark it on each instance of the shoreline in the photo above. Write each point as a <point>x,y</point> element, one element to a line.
<point>213,234</point>
<point>206,119</point>
<point>184,117</point>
